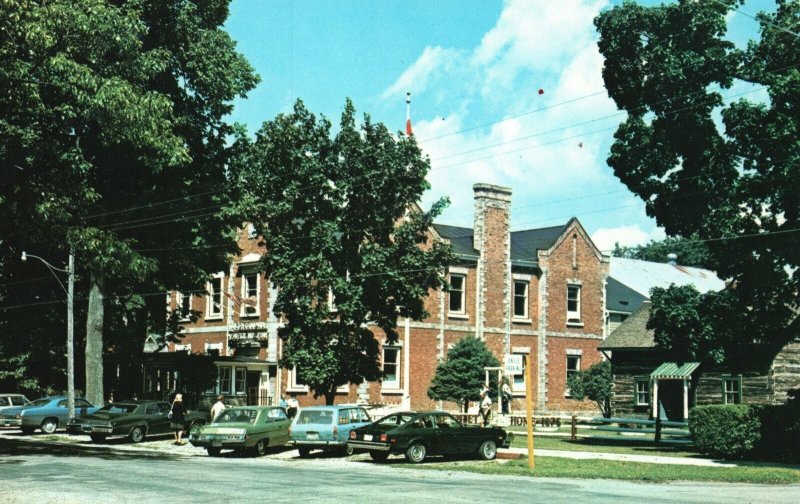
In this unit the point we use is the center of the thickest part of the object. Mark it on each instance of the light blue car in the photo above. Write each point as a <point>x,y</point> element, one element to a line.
<point>326,427</point>
<point>47,414</point>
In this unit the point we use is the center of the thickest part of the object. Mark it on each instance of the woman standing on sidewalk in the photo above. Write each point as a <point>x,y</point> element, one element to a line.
<point>177,417</point>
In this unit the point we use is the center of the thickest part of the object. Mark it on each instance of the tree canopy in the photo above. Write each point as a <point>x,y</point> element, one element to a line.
<point>461,376</point>
<point>347,247</point>
<point>690,251</point>
<point>595,384</point>
<point>113,142</point>
<point>706,161</point>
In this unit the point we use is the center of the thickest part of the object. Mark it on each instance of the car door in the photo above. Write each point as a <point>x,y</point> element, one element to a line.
<point>424,428</point>
<point>278,424</point>
<point>160,419</point>
<point>452,435</point>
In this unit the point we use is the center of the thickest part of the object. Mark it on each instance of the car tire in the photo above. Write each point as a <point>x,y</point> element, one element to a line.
<point>213,452</point>
<point>346,450</point>
<point>98,438</point>
<point>304,452</point>
<point>49,425</point>
<point>261,448</point>
<point>487,450</point>
<point>137,434</point>
<point>416,453</point>
<point>379,456</point>
<point>27,430</point>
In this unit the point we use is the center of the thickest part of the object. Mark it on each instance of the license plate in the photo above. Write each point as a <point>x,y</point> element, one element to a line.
<point>312,435</point>
<point>367,437</point>
<point>216,444</point>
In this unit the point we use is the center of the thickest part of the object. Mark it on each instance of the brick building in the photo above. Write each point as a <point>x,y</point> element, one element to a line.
<point>537,292</point>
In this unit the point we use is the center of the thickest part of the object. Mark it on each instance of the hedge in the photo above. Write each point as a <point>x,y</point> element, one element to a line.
<point>730,431</point>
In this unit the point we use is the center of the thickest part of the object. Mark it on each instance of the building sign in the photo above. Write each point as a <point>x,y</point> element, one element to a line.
<point>246,333</point>
<point>513,364</point>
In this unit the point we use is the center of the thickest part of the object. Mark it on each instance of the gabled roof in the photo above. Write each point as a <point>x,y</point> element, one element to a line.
<point>633,333</point>
<point>524,244</point>
<point>641,276</point>
<point>621,298</point>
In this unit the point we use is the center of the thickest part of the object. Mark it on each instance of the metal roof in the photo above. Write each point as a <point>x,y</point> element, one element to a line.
<point>675,371</point>
<point>621,298</point>
<point>642,276</point>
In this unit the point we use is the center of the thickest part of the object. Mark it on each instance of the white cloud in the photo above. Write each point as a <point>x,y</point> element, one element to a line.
<point>433,61</point>
<point>626,236</point>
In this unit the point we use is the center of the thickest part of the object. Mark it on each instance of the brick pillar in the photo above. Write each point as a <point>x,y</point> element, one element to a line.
<point>492,240</point>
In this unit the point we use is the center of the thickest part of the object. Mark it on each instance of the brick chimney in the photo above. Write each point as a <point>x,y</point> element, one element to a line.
<point>492,239</point>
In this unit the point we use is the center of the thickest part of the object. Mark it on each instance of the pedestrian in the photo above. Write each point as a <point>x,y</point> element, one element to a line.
<point>177,418</point>
<point>292,406</point>
<point>282,403</point>
<point>486,405</point>
<point>217,408</point>
<point>507,396</point>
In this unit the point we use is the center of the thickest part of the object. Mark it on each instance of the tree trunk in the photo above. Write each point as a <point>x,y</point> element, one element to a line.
<point>94,341</point>
<point>330,396</point>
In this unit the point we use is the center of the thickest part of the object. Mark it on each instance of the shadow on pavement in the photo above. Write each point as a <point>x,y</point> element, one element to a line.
<point>14,447</point>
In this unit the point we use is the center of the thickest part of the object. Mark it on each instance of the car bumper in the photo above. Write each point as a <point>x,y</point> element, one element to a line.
<point>10,422</point>
<point>89,429</point>
<point>366,445</point>
<point>311,442</point>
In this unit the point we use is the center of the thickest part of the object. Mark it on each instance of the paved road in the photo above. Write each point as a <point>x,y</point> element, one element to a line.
<point>38,472</point>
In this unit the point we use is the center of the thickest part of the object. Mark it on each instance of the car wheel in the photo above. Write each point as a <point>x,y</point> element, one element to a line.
<point>347,450</point>
<point>488,450</point>
<point>27,430</point>
<point>213,452</point>
<point>49,425</point>
<point>137,434</point>
<point>261,448</point>
<point>304,452</point>
<point>98,438</point>
<point>379,456</point>
<point>416,453</point>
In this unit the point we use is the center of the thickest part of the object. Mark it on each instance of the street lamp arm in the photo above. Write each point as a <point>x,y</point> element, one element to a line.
<point>52,269</point>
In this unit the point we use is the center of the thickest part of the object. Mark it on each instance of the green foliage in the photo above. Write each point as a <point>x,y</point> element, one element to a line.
<point>730,431</point>
<point>197,374</point>
<point>690,251</point>
<point>734,187</point>
<point>113,137</point>
<point>780,431</point>
<point>461,376</point>
<point>338,215</point>
<point>595,384</point>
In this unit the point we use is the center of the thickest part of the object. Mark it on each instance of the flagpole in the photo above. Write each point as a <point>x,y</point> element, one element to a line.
<point>408,114</point>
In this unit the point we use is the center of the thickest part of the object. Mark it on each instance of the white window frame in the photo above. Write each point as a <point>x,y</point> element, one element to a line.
<point>391,384</point>
<point>222,371</point>
<point>574,316</point>
<point>245,310</point>
<point>214,346</point>
<point>211,314</point>
<point>183,348</point>
<point>526,280</point>
<point>518,381</point>
<point>574,356</point>
<point>462,313</point>
<point>293,386</point>
<point>331,301</point>
<point>235,382</point>
<point>637,393</point>
<point>180,299</point>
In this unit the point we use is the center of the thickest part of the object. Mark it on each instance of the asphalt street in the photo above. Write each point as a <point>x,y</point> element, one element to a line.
<point>63,473</point>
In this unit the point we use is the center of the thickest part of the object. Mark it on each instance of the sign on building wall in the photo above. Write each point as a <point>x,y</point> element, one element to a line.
<point>513,364</point>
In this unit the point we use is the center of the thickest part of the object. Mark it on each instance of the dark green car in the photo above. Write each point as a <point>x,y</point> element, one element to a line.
<point>417,435</point>
<point>251,429</point>
<point>134,419</point>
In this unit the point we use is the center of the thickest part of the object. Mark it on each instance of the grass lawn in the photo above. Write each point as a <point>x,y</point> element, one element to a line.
<point>553,467</point>
<point>629,446</point>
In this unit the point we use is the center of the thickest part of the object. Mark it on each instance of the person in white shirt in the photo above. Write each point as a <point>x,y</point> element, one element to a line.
<point>486,405</point>
<point>217,408</point>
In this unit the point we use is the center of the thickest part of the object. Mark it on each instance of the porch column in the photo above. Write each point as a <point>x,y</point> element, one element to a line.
<point>655,398</point>
<point>685,399</point>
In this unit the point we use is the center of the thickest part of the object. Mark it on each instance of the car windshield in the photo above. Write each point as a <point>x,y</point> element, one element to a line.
<point>18,400</point>
<point>118,408</point>
<point>315,417</point>
<point>39,402</point>
<point>237,415</point>
<point>395,420</point>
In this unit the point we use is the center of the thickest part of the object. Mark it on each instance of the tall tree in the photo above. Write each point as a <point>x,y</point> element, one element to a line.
<point>114,133</point>
<point>461,376</point>
<point>345,246</point>
<point>593,383</point>
<point>732,183</point>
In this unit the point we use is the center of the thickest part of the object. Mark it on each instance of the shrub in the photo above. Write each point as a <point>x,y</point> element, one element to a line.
<point>728,431</point>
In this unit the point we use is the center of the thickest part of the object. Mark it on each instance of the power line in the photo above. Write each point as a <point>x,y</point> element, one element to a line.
<point>762,20</point>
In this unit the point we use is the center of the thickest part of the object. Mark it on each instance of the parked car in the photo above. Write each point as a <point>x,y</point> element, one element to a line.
<point>251,428</point>
<point>417,435</point>
<point>326,427</point>
<point>47,414</point>
<point>11,400</point>
<point>134,419</point>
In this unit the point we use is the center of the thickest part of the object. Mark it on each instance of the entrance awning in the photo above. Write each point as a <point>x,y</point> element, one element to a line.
<point>674,371</point>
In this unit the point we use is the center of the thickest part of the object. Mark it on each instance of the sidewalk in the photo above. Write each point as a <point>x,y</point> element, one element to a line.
<point>646,459</point>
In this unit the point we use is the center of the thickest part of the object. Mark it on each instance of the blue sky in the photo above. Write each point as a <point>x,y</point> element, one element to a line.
<point>474,68</point>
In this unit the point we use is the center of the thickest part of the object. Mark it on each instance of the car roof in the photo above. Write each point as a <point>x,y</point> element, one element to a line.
<point>334,407</point>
